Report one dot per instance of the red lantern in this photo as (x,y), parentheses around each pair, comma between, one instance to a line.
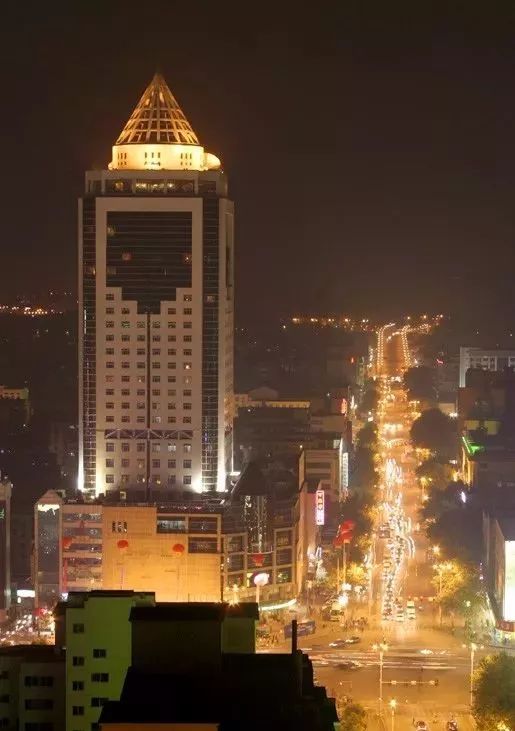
(67,542)
(123,544)
(258,559)
(178,548)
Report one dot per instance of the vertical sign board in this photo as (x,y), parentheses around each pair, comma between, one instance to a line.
(320,507)
(3,554)
(509,581)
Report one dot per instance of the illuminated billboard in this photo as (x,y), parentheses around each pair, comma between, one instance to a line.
(320,507)
(509,581)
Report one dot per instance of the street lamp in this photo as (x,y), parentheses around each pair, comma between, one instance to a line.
(381,648)
(393,704)
(472,647)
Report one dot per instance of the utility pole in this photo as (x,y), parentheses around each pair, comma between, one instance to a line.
(381,648)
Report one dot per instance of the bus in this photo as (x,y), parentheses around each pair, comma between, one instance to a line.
(307,627)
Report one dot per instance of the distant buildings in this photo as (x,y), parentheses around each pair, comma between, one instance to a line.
(487,359)
(156,287)
(5,546)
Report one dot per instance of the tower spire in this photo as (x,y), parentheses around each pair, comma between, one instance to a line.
(157,119)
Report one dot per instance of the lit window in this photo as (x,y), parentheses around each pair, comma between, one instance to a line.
(186,448)
(156,419)
(124,479)
(172,447)
(141,379)
(186,366)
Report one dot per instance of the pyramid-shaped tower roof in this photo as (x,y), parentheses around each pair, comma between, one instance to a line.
(157,119)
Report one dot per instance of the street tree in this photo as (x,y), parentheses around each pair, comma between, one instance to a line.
(435,431)
(435,472)
(494,693)
(353,717)
(419,381)
(367,436)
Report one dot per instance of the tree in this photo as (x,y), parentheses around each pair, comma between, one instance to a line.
(435,473)
(367,436)
(434,430)
(494,693)
(369,400)
(419,381)
(364,476)
(353,717)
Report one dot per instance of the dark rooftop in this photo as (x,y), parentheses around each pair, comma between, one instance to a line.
(193,612)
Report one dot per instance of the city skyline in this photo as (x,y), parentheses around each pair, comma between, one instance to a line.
(355,152)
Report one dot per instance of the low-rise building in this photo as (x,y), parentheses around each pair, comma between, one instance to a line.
(32,688)
(487,359)
(182,677)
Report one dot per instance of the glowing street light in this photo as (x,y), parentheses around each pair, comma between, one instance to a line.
(381,648)
(393,705)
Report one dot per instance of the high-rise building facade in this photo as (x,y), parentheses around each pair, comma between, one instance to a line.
(156,310)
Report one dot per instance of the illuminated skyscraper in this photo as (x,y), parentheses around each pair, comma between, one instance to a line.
(156,309)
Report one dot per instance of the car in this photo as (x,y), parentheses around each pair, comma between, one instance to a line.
(349,665)
(451,725)
(399,617)
(353,640)
(421,726)
(338,643)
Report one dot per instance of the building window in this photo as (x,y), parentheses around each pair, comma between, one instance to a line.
(77,710)
(172,339)
(110,479)
(186,480)
(125,419)
(109,338)
(187,338)
(99,651)
(156,464)
(110,364)
(110,323)
(172,325)
(78,628)
(156,365)
(109,310)
(118,526)
(39,704)
(100,677)
(187,351)
(77,685)
(171,464)
(110,419)
(187,298)
(109,391)
(172,447)
(187,366)
(110,447)
(187,420)
(171,310)
(98,702)
(186,448)
(186,464)
(109,351)
(77,661)
(172,379)
(171,405)
(202,545)
(140,447)
(110,297)
(126,447)
(109,462)
(126,379)
(187,407)
(126,338)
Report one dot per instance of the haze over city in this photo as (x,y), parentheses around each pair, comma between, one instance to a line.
(257,388)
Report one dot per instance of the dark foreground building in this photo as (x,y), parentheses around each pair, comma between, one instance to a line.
(181,676)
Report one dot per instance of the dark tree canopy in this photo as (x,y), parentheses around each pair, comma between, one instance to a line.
(419,381)
(434,430)
(494,692)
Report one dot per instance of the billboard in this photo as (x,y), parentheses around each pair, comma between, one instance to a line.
(320,507)
(509,581)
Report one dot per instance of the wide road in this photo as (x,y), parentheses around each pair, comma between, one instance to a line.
(426,670)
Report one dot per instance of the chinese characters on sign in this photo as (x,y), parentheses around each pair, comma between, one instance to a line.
(320,507)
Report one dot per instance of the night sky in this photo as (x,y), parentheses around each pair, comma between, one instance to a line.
(370,151)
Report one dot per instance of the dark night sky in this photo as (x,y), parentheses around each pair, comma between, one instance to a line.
(371,156)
